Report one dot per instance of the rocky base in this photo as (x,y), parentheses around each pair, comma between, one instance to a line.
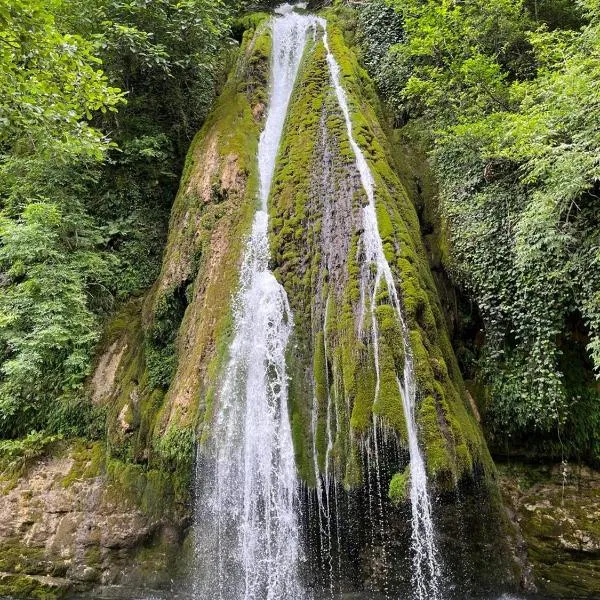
(73,522)
(557,512)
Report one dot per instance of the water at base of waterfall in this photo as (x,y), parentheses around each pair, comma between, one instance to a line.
(120,593)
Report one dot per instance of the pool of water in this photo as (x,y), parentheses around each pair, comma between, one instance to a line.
(119,593)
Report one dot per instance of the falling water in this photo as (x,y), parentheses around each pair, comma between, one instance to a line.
(426,571)
(247,526)
(247,530)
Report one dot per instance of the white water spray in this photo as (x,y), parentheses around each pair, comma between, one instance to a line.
(426,571)
(247,527)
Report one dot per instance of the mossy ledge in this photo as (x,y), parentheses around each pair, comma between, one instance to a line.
(316,245)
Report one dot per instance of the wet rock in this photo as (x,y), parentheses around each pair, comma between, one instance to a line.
(557,512)
(66,525)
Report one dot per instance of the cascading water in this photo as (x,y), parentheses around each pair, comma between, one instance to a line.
(426,570)
(247,530)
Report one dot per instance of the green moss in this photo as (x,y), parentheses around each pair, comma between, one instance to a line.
(320,368)
(364,386)
(399,489)
(17,557)
(184,332)
(93,556)
(437,456)
(125,322)
(297,268)
(302,456)
(154,560)
(88,460)
(321,390)
(353,477)
(249,22)
(391,366)
(176,448)
(154,491)
(32,587)
(388,403)
(17,456)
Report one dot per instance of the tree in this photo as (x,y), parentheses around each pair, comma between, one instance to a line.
(100,99)
(51,85)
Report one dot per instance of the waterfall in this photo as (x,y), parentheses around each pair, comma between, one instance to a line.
(426,570)
(246,528)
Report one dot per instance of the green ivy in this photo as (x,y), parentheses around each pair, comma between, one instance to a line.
(510,93)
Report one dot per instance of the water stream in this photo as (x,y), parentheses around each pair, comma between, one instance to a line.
(426,569)
(247,530)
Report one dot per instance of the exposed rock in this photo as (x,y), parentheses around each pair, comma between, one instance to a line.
(557,511)
(66,525)
(125,419)
(103,381)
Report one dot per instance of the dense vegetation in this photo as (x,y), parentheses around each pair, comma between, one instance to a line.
(506,94)
(100,99)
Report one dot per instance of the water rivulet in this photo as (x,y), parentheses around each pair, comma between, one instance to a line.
(337,425)
(426,570)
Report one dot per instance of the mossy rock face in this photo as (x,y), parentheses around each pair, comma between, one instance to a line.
(556,509)
(162,352)
(75,520)
(210,219)
(318,255)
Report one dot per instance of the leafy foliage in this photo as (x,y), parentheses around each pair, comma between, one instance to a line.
(51,85)
(50,82)
(17,454)
(99,102)
(167,56)
(511,92)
